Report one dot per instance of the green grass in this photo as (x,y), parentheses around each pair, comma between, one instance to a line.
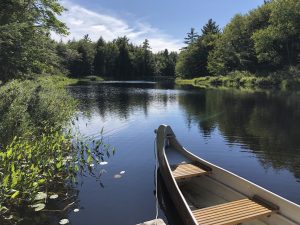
(240,79)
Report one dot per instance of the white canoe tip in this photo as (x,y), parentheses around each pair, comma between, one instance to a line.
(153,222)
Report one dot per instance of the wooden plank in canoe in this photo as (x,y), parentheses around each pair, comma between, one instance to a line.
(231,213)
(186,170)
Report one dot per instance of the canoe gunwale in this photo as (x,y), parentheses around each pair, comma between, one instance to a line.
(165,135)
(171,184)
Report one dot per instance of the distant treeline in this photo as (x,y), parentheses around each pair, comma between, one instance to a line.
(27,50)
(117,59)
(261,42)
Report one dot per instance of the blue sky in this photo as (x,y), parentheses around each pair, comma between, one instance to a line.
(165,22)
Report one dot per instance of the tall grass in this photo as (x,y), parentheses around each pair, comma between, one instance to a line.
(39,159)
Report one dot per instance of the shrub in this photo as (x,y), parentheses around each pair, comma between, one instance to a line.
(33,105)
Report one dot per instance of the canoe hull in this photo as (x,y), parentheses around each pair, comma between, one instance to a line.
(166,173)
(288,213)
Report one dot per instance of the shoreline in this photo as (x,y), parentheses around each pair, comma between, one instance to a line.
(251,82)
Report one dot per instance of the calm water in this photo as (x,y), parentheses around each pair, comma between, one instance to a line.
(255,135)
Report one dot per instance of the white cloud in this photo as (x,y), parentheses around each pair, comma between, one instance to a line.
(82,21)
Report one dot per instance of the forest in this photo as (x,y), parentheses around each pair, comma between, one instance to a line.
(265,42)
(27,50)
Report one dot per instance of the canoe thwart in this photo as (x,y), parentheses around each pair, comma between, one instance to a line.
(265,203)
(187,170)
(231,213)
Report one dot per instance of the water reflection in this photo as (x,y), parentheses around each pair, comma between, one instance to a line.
(120,99)
(252,134)
(264,123)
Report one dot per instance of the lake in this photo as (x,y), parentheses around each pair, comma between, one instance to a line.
(253,134)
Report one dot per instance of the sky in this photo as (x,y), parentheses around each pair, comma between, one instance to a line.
(164,23)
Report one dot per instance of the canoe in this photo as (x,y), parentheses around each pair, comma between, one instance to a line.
(205,194)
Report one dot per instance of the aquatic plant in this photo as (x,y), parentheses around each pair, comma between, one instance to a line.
(39,158)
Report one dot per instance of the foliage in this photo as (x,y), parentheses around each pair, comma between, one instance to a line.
(34,105)
(210,28)
(27,50)
(39,158)
(118,59)
(279,42)
(193,59)
(37,168)
(25,46)
(165,63)
(263,41)
(245,79)
(192,36)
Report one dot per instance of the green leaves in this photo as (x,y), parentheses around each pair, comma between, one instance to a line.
(14,195)
(38,207)
(40,196)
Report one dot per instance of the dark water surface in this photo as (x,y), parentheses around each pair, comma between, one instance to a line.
(255,135)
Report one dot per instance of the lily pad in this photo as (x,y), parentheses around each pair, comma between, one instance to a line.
(64,221)
(117,176)
(38,207)
(40,196)
(55,196)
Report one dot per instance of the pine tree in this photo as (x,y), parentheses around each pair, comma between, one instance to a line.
(99,60)
(192,36)
(147,68)
(210,28)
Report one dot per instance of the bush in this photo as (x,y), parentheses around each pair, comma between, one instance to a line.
(33,105)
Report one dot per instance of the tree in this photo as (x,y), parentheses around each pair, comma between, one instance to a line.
(147,60)
(192,36)
(192,61)
(86,51)
(99,60)
(124,63)
(279,42)
(210,28)
(26,48)
(112,54)
(234,49)
(165,63)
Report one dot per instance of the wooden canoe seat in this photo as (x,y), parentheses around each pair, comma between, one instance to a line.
(186,170)
(231,213)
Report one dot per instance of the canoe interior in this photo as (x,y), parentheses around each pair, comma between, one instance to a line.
(203,191)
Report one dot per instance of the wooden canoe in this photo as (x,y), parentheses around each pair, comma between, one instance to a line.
(205,194)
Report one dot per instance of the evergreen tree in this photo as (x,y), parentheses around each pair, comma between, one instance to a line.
(192,62)
(147,60)
(99,60)
(210,28)
(124,63)
(192,36)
